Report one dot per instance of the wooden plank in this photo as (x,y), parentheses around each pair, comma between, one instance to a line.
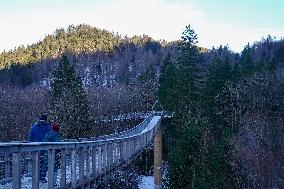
(94,164)
(110,156)
(121,151)
(16,171)
(99,170)
(144,140)
(99,159)
(51,159)
(81,167)
(131,148)
(73,169)
(123,155)
(128,150)
(134,146)
(7,166)
(136,143)
(140,143)
(35,170)
(88,172)
(94,161)
(105,158)
(117,150)
(63,168)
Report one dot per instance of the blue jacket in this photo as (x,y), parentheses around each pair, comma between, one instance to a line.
(38,131)
(52,136)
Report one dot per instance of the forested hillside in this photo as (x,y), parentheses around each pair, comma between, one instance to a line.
(99,56)
(119,74)
(228,127)
(79,39)
(227,131)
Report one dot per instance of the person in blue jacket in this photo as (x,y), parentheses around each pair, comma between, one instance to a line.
(54,136)
(37,133)
(39,129)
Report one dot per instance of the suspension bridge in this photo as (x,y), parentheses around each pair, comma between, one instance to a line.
(83,163)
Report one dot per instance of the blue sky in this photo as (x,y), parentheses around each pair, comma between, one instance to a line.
(217,22)
(249,13)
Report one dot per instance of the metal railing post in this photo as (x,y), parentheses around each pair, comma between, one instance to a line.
(16,171)
(73,169)
(51,159)
(63,168)
(81,167)
(35,170)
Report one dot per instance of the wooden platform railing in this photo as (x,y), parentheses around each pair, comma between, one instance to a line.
(82,164)
(123,117)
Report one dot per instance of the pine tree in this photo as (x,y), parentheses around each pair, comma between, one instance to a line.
(68,103)
(198,134)
(187,71)
(167,81)
(246,63)
(187,134)
(219,72)
(219,129)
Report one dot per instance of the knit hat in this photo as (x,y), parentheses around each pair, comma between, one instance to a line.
(43,117)
(55,127)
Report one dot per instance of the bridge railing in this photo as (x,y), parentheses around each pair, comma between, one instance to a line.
(145,115)
(123,117)
(71,164)
(135,130)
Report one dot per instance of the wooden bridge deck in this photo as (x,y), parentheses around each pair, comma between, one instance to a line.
(82,163)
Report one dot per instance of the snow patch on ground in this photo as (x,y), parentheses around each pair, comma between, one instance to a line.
(147,182)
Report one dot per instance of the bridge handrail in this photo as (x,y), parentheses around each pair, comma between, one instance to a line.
(118,136)
(131,131)
(109,152)
(111,118)
(136,128)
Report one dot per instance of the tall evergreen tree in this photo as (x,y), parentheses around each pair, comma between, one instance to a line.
(69,101)
(198,134)
(246,63)
(219,128)
(167,82)
(219,72)
(187,71)
(187,134)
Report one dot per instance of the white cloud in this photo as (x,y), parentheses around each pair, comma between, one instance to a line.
(155,18)
(235,36)
(152,17)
